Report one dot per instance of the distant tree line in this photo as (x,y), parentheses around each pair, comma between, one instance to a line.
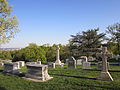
(85,43)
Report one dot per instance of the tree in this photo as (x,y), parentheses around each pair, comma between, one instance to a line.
(86,43)
(31,53)
(8,23)
(5,55)
(114,31)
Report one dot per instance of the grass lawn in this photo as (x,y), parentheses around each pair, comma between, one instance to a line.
(64,79)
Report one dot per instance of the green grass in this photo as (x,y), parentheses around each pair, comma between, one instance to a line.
(64,79)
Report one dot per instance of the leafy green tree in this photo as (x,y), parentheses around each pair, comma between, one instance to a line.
(86,43)
(114,31)
(64,52)
(8,23)
(51,53)
(5,55)
(31,53)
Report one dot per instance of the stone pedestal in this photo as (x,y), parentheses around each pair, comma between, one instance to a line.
(37,72)
(86,65)
(105,76)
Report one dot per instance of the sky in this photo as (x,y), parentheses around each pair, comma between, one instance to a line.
(53,21)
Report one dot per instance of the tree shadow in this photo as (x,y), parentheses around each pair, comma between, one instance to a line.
(2,88)
(17,74)
(115,64)
(92,70)
(113,71)
(74,76)
(1,70)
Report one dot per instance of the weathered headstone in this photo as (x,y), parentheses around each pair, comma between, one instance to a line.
(99,65)
(1,64)
(51,65)
(11,68)
(84,59)
(17,64)
(22,63)
(79,62)
(71,63)
(37,72)
(105,75)
(66,61)
(86,65)
(90,58)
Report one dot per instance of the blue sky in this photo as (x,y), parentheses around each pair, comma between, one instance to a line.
(53,21)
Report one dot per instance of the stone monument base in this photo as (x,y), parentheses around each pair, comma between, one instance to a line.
(105,76)
(59,64)
(37,80)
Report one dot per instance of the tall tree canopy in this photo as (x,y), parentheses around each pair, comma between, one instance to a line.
(86,43)
(8,23)
(114,31)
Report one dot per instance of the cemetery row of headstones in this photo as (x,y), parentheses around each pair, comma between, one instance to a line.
(35,70)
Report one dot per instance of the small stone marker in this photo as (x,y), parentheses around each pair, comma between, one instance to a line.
(66,61)
(11,68)
(105,75)
(37,72)
(22,63)
(84,59)
(1,64)
(51,65)
(90,58)
(71,63)
(79,62)
(86,65)
(39,62)
(99,65)
(17,64)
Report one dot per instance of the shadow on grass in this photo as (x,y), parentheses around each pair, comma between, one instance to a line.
(1,70)
(101,70)
(75,76)
(88,85)
(113,71)
(2,88)
(115,64)
(92,70)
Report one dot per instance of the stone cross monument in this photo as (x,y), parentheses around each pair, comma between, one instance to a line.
(105,75)
(57,62)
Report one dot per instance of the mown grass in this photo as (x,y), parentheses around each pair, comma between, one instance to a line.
(64,79)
